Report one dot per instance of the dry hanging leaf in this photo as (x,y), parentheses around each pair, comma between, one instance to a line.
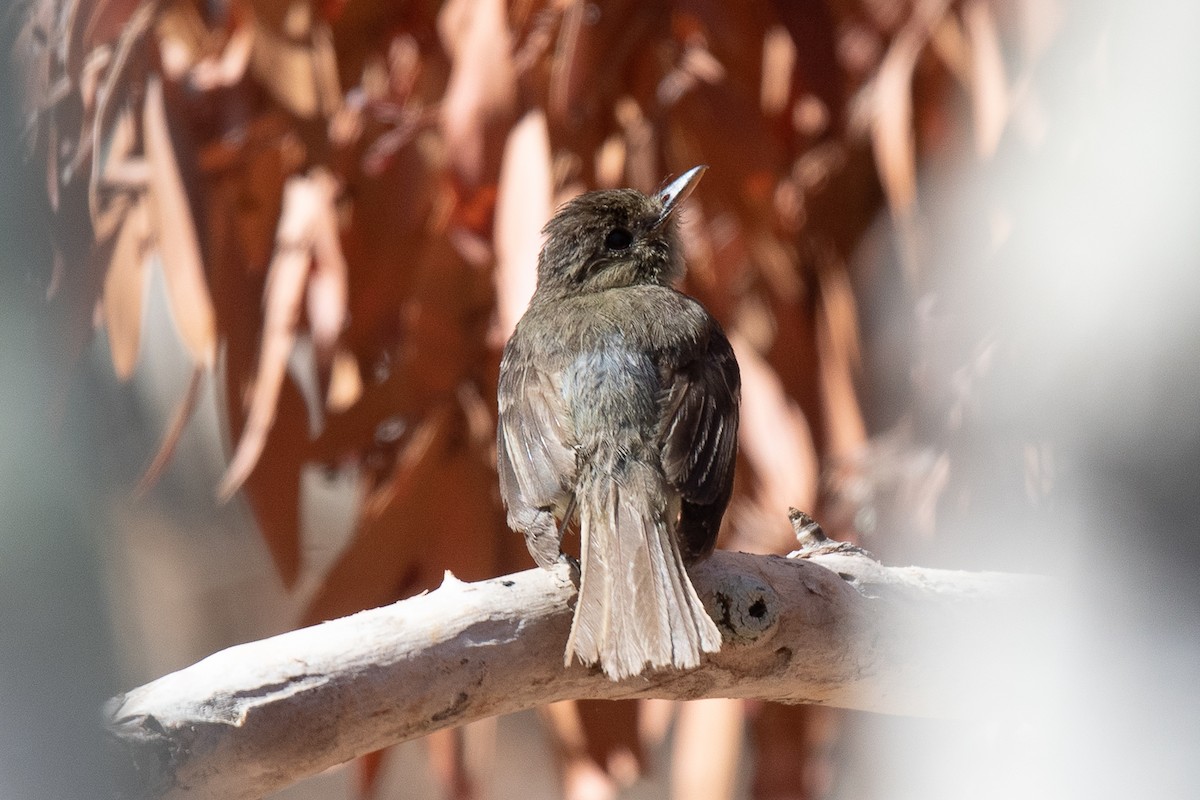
(329,88)
(892,125)
(31,66)
(610,163)
(124,70)
(522,208)
(293,58)
(90,25)
(775,438)
(179,419)
(182,37)
(448,764)
(110,170)
(304,199)
(837,351)
(125,288)
(480,99)
(1038,24)
(52,146)
(734,34)
(230,66)
(815,28)
(585,736)
(448,486)
(285,68)
(175,234)
(948,40)
(345,383)
(795,752)
(608,737)
(596,44)
(708,747)
(565,65)
(417,448)
(273,487)
(641,168)
(719,124)
(327,285)
(989,87)
(368,770)
(778,64)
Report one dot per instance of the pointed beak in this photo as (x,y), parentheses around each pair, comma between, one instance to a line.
(674,193)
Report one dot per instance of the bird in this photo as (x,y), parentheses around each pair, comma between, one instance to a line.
(618,403)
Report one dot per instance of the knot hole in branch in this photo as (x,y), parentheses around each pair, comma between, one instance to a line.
(745,609)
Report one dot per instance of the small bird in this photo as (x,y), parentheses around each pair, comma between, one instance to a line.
(618,406)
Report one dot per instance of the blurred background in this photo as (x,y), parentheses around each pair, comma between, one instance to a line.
(260,258)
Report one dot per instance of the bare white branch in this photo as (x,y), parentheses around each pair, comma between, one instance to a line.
(837,630)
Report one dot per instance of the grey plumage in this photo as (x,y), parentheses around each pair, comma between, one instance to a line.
(618,401)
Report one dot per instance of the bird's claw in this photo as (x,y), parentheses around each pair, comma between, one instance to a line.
(572,566)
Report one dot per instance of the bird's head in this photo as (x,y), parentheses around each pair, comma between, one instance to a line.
(615,237)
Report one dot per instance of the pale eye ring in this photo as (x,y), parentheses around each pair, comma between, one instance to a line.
(618,239)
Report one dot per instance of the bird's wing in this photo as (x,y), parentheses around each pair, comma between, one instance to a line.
(534,443)
(699,439)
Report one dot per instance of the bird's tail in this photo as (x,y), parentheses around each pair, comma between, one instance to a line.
(636,605)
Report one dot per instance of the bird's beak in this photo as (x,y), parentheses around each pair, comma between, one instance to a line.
(674,193)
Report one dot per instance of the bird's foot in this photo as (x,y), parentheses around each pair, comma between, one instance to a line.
(572,565)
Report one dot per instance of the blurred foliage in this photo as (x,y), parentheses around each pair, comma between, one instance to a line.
(345,199)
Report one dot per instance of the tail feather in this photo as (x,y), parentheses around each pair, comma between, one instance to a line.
(636,605)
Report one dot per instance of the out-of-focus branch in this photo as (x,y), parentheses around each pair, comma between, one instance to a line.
(836,629)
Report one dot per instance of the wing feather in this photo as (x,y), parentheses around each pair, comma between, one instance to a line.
(699,440)
(534,443)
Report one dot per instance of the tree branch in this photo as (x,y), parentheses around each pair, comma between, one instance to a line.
(838,629)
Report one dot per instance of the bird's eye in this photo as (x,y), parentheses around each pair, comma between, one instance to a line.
(618,239)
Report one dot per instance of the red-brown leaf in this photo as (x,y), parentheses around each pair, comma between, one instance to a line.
(776,440)
(447,487)
(175,233)
(522,207)
(989,87)
(273,488)
(304,197)
(327,285)
(480,100)
(125,288)
(892,129)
